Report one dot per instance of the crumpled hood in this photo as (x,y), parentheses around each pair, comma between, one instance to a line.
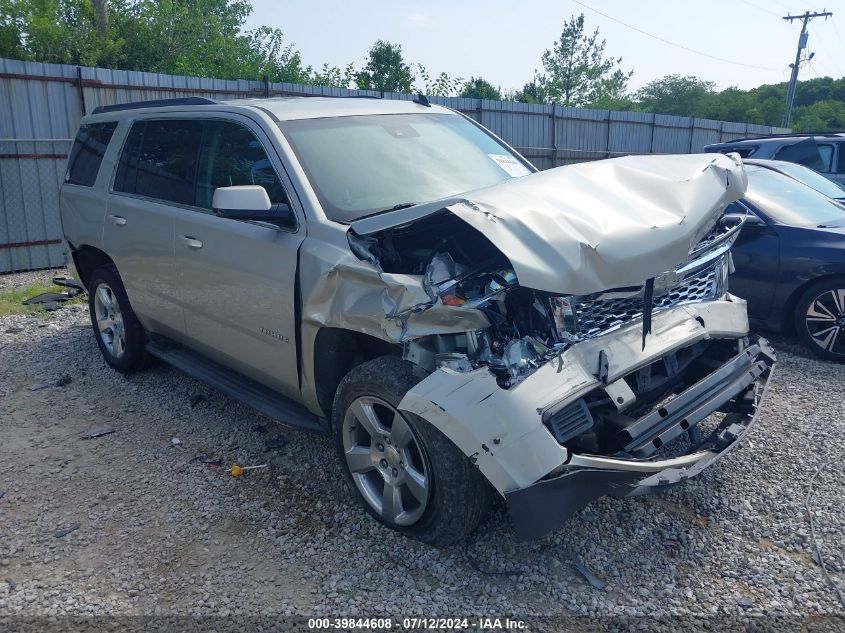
(593,226)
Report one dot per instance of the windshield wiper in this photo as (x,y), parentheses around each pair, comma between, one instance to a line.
(396,207)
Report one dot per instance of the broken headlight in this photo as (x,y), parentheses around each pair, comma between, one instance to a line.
(476,290)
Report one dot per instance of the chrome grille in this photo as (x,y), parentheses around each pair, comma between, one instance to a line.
(596,317)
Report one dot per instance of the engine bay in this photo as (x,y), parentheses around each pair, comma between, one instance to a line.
(459,267)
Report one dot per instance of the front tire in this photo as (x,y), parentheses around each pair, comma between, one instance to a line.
(820,318)
(119,334)
(404,472)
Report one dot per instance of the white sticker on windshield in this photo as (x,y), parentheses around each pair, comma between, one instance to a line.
(511,165)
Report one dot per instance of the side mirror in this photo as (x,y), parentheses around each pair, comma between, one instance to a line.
(250,202)
(740,211)
(753,223)
(753,219)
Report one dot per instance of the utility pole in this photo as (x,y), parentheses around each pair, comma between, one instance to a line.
(802,44)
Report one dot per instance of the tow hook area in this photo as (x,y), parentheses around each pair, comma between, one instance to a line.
(737,388)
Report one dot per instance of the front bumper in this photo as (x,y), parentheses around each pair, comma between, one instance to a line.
(738,388)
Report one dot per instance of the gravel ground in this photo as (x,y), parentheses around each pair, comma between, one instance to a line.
(155,534)
(18,280)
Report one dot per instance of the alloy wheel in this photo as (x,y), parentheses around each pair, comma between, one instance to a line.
(109,320)
(386,460)
(825,320)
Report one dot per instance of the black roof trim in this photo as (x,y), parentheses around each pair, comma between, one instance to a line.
(789,135)
(156,103)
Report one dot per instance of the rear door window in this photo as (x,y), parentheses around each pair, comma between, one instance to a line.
(840,158)
(808,153)
(826,156)
(127,167)
(87,152)
(232,155)
(159,160)
(743,151)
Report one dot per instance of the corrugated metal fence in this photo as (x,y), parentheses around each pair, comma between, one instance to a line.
(41,104)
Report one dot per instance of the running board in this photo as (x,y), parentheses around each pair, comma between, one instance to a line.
(237,386)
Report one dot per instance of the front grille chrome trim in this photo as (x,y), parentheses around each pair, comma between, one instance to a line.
(597,317)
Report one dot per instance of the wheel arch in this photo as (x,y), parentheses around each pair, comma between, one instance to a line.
(336,352)
(797,293)
(87,259)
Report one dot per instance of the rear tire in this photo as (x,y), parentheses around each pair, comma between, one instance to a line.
(820,318)
(404,472)
(119,334)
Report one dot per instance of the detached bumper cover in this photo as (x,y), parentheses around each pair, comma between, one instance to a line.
(738,387)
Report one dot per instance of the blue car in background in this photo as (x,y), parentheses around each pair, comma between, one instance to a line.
(790,260)
(802,174)
(824,153)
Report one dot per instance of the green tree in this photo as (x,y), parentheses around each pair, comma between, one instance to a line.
(265,53)
(577,73)
(12,28)
(54,31)
(531,92)
(443,85)
(731,104)
(333,76)
(822,116)
(386,69)
(674,94)
(188,37)
(196,37)
(480,88)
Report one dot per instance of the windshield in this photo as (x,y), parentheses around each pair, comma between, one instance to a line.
(788,201)
(812,179)
(361,165)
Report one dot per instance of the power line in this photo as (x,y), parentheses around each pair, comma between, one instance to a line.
(670,43)
(781,4)
(826,49)
(759,8)
(838,36)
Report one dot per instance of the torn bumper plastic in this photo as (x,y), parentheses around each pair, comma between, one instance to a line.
(540,508)
(502,430)
(508,435)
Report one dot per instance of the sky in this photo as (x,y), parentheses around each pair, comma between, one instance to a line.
(503,40)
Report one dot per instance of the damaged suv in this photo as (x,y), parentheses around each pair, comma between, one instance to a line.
(392,273)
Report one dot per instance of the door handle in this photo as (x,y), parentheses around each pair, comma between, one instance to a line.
(117,220)
(191,242)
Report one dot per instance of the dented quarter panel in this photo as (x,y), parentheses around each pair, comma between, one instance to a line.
(502,430)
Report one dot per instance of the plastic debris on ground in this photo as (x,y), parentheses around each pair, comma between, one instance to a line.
(238,471)
(66,531)
(97,431)
(203,458)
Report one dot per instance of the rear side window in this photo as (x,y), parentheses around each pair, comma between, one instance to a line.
(159,160)
(231,155)
(87,152)
(826,153)
(744,151)
(808,153)
(840,161)
(127,167)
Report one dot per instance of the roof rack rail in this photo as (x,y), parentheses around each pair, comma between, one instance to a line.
(156,103)
(763,137)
